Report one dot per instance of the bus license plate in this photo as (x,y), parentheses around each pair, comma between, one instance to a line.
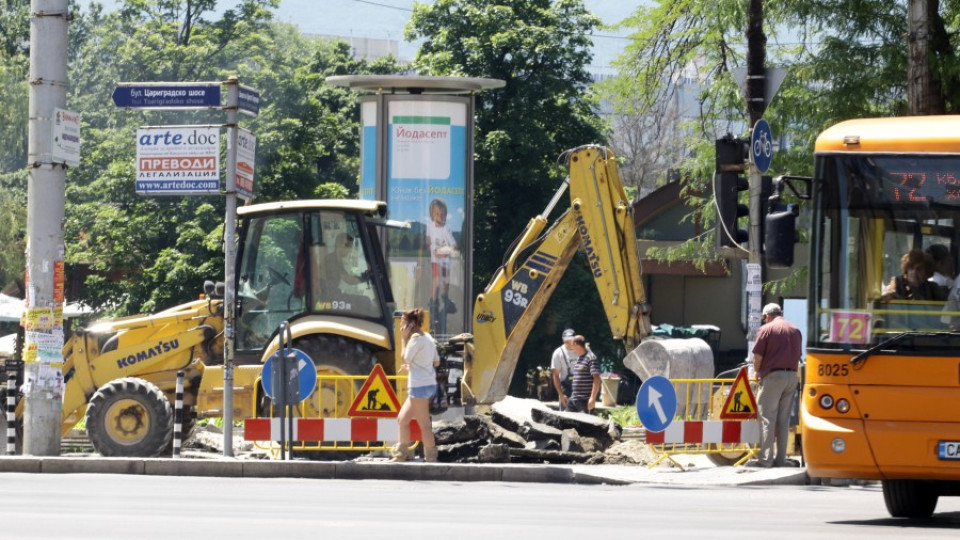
(949,450)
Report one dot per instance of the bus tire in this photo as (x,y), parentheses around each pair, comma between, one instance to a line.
(910,498)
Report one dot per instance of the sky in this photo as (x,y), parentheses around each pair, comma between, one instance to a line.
(385,19)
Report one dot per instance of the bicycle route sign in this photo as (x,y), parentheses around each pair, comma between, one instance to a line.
(761,145)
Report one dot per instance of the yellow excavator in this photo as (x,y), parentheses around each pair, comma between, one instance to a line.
(121,374)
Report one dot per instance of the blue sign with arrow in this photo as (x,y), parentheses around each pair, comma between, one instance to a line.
(761,145)
(305,369)
(196,95)
(656,403)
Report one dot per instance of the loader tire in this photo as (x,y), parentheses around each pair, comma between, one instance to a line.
(910,498)
(129,417)
(336,355)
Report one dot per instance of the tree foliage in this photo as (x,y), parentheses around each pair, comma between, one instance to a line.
(843,59)
(134,253)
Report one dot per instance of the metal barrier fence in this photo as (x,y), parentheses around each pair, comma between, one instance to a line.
(697,427)
(322,423)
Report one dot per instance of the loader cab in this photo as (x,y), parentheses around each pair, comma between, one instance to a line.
(307,258)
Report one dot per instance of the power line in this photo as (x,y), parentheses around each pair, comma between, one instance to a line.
(388,6)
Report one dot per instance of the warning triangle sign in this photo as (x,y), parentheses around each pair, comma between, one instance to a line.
(740,403)
(376,397)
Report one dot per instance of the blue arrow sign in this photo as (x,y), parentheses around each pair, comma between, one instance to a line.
(305,367)
(656,403)
(761,145)
(167,95)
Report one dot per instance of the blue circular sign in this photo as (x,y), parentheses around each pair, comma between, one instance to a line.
(761,145)
(656,403)
(305,367)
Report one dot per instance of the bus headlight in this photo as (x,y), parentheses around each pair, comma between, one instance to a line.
(838,445)
(826,401)
(843,405)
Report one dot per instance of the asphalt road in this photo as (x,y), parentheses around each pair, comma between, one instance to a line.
(79,506)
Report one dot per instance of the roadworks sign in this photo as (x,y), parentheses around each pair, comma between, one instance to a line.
(376,397)
(740,403)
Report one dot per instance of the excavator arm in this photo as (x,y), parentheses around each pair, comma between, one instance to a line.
(600,220)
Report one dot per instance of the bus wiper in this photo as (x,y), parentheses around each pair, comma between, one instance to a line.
(899,337)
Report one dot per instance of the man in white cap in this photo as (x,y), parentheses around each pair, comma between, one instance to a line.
(776,355)
(560,366)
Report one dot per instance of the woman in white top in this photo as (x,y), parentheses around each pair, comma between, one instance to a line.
(420,360)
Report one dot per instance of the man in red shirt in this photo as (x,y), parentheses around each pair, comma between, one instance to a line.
(776,355)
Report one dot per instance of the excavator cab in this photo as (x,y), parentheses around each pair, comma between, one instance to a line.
(307,259)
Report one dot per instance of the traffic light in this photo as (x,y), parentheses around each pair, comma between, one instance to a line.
(779,226)
(729,181)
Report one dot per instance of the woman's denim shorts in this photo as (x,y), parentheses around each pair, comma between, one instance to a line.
(423,392)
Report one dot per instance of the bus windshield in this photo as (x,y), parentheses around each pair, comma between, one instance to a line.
(885,247)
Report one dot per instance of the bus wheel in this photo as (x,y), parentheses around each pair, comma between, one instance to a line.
(910,498)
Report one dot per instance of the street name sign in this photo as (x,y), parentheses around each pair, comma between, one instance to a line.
(167,95)
(248,101)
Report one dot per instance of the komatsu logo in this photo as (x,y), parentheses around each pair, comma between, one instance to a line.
(592,258)
(146,354)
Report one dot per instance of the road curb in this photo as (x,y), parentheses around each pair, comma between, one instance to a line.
(349,470)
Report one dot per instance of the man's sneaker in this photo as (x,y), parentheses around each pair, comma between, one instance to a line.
(758,464)
(790,463)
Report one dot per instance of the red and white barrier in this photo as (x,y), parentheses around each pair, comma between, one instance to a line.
(706,432)
(328,430)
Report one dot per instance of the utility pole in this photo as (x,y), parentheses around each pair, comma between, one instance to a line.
(924,94)
(43,383)
(229,262)
(756,84)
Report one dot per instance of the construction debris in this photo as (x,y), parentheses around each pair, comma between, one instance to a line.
(527,431)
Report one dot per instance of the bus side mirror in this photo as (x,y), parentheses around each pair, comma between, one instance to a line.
(780,235)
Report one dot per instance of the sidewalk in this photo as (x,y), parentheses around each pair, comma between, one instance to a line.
(699,471)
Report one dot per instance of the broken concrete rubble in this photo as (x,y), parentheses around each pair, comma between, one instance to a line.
(530,432)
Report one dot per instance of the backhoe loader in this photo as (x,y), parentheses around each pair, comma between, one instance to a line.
(121,374)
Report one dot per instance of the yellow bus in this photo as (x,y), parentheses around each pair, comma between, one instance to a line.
(881,399)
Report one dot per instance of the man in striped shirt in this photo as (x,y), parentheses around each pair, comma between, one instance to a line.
(586,378)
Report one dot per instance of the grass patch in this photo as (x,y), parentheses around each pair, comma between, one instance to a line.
(625,415)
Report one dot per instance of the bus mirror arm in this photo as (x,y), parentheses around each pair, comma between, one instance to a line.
(790,181)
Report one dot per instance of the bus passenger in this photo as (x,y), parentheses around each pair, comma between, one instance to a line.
(916,267)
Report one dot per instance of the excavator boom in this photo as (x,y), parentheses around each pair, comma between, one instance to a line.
(600,220)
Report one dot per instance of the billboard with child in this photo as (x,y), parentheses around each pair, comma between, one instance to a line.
(426,153)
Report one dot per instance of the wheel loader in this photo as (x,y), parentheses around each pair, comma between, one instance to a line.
(319,265)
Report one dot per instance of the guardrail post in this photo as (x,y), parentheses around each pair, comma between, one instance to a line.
(11,413)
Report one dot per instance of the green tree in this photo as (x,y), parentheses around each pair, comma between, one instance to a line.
(843,59)
(541,49)
(14,64)
(147,253)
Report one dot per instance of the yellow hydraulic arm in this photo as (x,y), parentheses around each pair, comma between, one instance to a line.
(600,220)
